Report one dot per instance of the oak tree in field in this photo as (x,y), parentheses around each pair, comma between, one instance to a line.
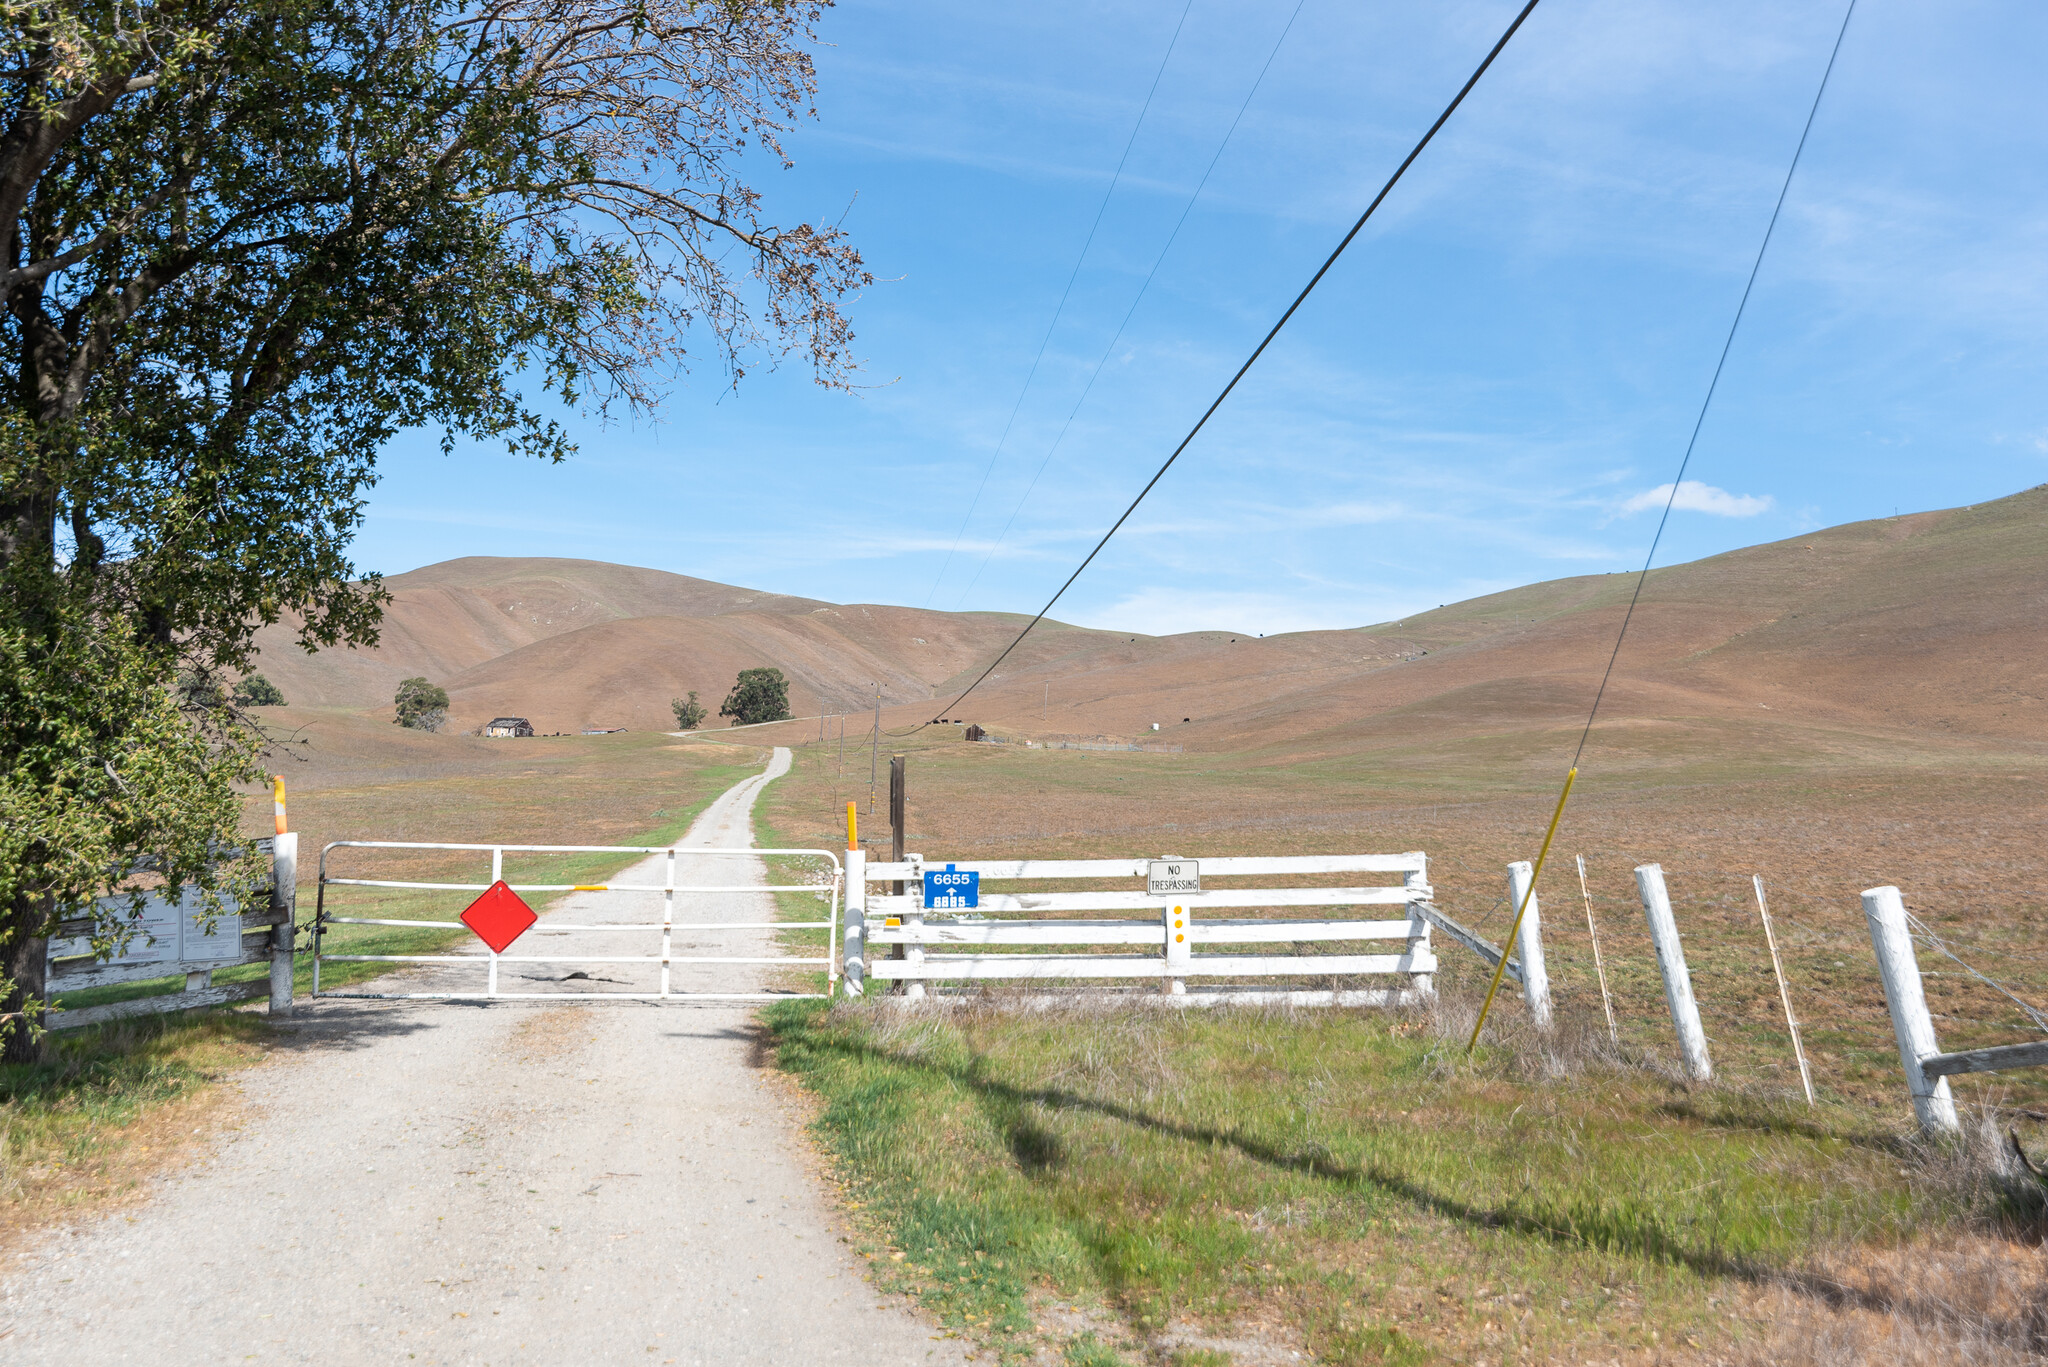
(758,695)
(689,712)
(421,705)
(257,691)
(246,242)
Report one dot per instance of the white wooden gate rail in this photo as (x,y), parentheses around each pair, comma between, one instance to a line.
(665,927)
(876,920)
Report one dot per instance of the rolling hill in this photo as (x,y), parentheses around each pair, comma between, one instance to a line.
(1924,625)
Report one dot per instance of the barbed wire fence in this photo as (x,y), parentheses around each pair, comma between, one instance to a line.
(1984,962)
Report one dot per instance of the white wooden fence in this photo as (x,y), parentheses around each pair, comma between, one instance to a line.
(175,938)
(1169,932)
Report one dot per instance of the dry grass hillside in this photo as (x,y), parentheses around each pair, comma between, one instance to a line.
(1923,628)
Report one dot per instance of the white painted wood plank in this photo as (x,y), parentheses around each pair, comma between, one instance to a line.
(149,1006)
(1077,932)
(1019,933)
(1022,966)
(982,966)
(1114,999)
(1307,965)
(1279,930)
(78,975)
(1132,900)
(1233,867)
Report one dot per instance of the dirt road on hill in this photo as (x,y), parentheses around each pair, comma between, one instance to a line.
(513,1183)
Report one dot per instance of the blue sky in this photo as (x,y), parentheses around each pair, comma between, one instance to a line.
(1485,392)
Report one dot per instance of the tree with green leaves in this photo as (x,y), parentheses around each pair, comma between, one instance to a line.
(246,242)
(257,691)
(421,705)
(689,712)
(758,695)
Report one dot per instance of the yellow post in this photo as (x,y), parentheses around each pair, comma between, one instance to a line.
(1508,945)
(277,803)
(852,830)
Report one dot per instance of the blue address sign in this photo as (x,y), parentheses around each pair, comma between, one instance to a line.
(951,889)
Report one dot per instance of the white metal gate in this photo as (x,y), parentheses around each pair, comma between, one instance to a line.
(665,929)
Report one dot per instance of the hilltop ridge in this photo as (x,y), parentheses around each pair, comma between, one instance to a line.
(1927,623)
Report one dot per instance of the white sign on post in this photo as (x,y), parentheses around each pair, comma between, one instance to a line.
(1172,877)
(167,931)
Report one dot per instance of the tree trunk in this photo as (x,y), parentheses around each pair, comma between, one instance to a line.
(26,963)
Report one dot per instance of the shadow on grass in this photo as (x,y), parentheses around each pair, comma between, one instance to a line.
(1040,1153)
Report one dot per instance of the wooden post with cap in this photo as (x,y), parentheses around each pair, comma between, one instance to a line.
(853,940)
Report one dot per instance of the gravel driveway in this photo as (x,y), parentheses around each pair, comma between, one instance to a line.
(514,1183)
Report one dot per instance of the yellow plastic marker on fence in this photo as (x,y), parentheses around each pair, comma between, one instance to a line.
(277,803)
(590,887)
(1507,945)
(852,827)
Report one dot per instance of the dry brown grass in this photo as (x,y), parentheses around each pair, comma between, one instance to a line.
(114,1106)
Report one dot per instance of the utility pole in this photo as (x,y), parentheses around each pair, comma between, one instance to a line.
(1046,702)
(874,749)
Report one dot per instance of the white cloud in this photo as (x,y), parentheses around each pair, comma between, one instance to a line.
(1695,497)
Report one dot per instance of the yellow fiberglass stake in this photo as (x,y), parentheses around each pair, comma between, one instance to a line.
(1515,929)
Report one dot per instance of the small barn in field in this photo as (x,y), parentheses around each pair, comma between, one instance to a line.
(508,726)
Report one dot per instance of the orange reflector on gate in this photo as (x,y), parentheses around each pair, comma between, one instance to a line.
(498,917)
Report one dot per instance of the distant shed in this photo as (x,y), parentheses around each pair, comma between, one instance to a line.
(976,733)
(508,726)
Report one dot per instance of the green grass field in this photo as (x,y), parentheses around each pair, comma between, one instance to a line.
(1344,1182)
(1199,1188)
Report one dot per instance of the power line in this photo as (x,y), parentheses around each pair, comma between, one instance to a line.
(1061,308)
(1572,774)
(1138,299)
(1260,349)
(1727,344)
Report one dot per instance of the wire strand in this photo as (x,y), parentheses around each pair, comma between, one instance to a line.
(1046,341)
(1727,344)
(1257,351)
(1139,298)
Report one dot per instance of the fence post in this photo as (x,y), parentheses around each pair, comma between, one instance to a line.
(1763,909)
(1535,977)
(1685,1012)
(913,921)
(896,778)
(853,940)
(1416,882)
(1593,934)
(284,901)
(1178,925)
(1885,910)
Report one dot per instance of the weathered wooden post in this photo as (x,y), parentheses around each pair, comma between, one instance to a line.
(1685,1012)
(853,939)
(1885,910)
(284,893)
(896,818)
(1535,977)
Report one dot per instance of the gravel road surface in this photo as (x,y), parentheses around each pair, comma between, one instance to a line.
(514,1183)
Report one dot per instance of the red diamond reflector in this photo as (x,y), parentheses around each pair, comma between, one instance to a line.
(498,917)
